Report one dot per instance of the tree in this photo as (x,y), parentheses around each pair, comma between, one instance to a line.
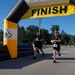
(65,37)
(46,35)
(31,31)
(55,27)
(21,34)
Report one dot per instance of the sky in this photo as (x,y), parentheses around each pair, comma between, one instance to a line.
(66,23)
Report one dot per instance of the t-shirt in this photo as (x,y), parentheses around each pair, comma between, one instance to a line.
(38,38)
(56,38)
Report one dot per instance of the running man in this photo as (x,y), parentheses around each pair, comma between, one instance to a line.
(38,45)
(56,45)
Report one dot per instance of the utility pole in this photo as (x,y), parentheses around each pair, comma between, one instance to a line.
(39,24)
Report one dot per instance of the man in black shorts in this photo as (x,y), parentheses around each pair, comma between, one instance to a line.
(38,45)
(56,45)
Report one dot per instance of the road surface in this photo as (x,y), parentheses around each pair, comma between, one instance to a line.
(43,65)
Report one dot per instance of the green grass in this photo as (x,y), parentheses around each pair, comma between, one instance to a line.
(49,46)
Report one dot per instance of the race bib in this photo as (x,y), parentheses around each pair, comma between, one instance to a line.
(55,45)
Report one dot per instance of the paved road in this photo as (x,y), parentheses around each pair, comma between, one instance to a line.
(43,65)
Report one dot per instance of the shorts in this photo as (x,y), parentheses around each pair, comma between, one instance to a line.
(56,48)
(38,44)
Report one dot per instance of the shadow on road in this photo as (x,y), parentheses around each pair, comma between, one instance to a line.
(21,62)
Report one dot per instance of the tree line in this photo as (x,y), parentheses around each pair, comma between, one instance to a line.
(27,34)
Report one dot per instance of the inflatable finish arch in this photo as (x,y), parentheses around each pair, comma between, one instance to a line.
(32,9)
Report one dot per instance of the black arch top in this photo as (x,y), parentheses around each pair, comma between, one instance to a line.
(72,1)
(18,11)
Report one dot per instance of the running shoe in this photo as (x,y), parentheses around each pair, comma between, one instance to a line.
(34,58)
(43,54)
(59,54)
(54,61)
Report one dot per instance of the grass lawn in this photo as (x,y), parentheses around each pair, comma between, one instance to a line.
(48,46)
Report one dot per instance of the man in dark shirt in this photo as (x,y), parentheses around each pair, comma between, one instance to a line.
(56,45)
(38,45)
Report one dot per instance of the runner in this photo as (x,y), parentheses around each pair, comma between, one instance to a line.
(38,45)
(56,45)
